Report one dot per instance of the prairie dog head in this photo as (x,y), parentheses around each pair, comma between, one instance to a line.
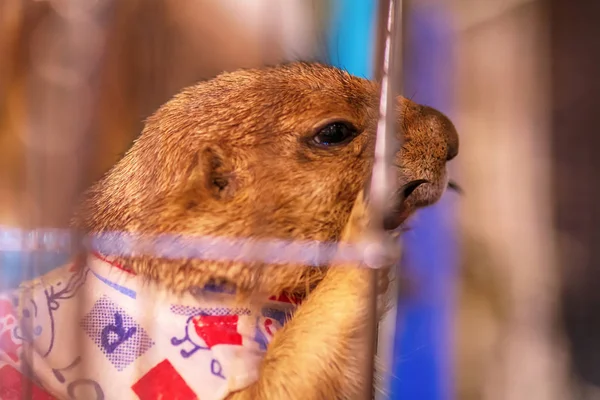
(279,152)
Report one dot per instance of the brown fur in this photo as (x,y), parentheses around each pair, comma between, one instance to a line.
(231,157)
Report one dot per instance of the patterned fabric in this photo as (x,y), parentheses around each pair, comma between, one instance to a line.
(99,332)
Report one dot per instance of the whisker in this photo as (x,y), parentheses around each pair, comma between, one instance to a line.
(452,185)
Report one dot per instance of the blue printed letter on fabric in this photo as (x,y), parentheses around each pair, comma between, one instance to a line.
(115,333)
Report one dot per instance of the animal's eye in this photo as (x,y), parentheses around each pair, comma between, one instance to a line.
(334,134)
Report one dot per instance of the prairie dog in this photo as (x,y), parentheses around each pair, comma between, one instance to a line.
(275,153)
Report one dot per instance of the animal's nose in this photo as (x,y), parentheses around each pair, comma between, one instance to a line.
(440,124)
(452,147)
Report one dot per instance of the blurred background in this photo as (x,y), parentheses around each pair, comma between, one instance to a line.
(503,301)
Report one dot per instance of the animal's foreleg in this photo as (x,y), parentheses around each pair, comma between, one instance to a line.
(320,352)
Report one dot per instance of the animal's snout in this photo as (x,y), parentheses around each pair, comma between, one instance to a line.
(452,144)
(440,124)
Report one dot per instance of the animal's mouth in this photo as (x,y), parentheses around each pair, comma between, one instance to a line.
(404,204)
(402,209)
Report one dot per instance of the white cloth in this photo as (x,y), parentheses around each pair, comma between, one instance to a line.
(100,332)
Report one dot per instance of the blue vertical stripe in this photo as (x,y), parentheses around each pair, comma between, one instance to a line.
(422,354)
(352,35)
(423,361)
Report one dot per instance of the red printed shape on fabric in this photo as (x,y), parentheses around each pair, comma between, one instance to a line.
(218,329)
(8,344)
(6,308)
(12,383)
(163,382)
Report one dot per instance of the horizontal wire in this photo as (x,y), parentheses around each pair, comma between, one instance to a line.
(214,248)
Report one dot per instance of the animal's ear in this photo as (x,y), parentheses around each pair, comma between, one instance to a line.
(211,175)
